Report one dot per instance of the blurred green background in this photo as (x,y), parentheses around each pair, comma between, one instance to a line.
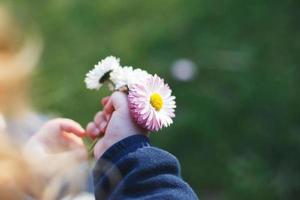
(237,130)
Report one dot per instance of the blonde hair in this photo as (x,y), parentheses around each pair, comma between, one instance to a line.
(19,54)
(22,177)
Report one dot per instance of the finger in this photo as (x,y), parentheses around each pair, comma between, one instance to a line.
(72,141)
(105,100)
(64,142)
(92,130)
(107,116)
(103,127)
(70,126)
(119,100)
(99,117)
(109,107)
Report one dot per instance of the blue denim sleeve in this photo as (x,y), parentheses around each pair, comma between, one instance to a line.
(133,169)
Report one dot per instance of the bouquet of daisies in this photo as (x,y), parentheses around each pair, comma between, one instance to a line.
(150,99)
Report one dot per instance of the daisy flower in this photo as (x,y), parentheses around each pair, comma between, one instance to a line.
(96,77)
(127,76)
(151,104)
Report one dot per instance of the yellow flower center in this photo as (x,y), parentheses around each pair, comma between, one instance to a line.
(156,101)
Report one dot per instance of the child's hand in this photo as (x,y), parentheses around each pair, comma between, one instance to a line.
(114,122)
(58,137)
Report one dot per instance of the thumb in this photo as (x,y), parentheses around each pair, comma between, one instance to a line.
(117,101)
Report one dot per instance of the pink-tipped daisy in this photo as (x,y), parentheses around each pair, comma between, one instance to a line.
(151,104)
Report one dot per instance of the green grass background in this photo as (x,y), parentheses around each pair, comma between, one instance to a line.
(237,130)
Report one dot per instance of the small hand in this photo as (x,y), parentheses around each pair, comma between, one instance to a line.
(58,138)
(114,122)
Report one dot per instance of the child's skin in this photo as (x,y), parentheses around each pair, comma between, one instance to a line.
(60,137)
(114,122)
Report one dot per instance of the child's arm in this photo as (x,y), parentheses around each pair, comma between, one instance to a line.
(132,169)
(129,168)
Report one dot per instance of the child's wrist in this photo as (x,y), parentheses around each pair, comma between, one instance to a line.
(107,143)
(124,146)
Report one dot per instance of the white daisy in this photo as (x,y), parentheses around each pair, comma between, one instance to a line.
(96,77)
(127,76)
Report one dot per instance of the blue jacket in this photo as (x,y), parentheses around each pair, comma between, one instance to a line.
(132,169)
